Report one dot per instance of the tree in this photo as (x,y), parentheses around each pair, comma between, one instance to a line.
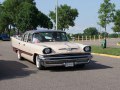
(12,7)
(66,16)
(44,21)
(4,20)
(29,17)
(91,31)
(1,25)
(104,34)
(113,35)
(116,27)
(106,15)
(24,15)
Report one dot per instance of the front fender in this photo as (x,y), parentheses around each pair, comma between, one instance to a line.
(82,46)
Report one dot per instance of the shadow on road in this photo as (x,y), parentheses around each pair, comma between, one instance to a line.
(13,69)
(93,65)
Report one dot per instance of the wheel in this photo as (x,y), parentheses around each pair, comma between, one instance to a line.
(19,55)
(38,63)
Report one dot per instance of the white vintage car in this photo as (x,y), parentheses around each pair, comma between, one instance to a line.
(48,48)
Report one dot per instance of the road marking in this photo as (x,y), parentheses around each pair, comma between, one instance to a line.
(106,55)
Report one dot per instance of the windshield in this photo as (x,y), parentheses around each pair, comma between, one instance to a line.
(50,36)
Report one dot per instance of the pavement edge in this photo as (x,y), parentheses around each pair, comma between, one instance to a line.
(106,55)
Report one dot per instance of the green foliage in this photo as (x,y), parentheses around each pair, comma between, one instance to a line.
(1,17)
(26,17)
(12,7)
(77,35)
(104,34)
(66,16)
(113,35)
(91,31)
(106,13)
(44,21)
(23,15)
(69,36)
(13,32)
(116,27)
(4,19)
(29,17)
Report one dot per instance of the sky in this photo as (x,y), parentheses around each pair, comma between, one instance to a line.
(88,12)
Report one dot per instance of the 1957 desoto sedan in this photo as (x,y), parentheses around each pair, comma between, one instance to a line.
(48,48)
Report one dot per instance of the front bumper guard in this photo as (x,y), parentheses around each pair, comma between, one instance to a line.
(61,61)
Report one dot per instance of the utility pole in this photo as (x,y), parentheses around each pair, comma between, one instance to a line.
(56,14)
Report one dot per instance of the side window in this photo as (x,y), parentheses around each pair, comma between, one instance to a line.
(25,38)
(30,38)
(22,39)
(63,36)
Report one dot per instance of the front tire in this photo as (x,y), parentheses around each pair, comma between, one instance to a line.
(82,65)
(19,55)
(38,63)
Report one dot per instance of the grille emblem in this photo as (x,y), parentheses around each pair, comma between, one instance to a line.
(69,49)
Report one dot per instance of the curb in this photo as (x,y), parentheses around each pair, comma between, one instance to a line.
(106,55)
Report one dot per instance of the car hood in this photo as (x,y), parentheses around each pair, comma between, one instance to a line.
(61,47)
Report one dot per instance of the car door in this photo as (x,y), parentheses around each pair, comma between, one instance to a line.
(26,47)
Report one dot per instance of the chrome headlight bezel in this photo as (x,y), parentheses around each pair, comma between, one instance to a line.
(47,50)
(87,48)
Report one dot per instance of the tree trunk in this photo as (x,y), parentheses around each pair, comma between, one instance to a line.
(105,32)
(105,41)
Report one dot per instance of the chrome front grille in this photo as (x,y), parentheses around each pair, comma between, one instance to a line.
(72,56)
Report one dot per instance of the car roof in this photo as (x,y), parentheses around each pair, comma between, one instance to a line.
(43,30)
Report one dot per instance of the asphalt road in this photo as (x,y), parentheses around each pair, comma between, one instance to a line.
(103,73)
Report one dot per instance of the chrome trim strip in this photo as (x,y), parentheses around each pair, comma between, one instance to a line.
(68,48)
(65,57)
(77,59)
(63,64)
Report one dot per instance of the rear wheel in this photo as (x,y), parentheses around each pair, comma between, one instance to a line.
(38,63)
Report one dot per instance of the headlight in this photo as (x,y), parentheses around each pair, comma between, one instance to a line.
(47,50)
(87,49)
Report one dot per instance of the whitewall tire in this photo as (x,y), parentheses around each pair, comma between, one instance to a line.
(38,63)
(19,55)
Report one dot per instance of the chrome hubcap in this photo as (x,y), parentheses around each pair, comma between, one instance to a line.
(18,54)
(37,62)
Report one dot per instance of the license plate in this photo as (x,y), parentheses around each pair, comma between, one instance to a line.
(69,64)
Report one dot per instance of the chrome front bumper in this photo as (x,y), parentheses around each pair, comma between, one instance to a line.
(49,61)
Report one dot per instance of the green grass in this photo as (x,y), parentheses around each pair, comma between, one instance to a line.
(109,50)
(118,42)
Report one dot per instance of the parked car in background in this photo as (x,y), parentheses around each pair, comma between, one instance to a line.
(4,37)
(48,48)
